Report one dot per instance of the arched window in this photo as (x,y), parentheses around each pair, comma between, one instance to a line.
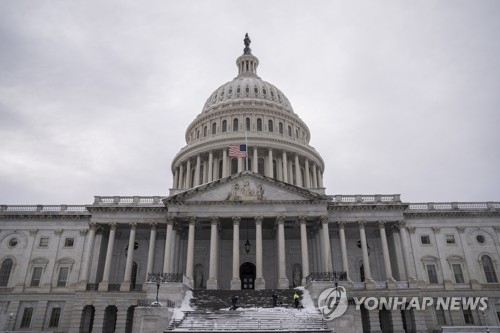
(214,128)
(489,269)
(205,131)
(5,271)
(270,125)
(235,124)
(248,124)
(260,166)
(280,128)
(259,124)
(234,166)
(224,125)
(289,130)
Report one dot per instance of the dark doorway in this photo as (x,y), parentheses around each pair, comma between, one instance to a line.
(87,320)
(247,275)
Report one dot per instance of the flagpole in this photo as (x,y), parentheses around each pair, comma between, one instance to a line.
(246,145)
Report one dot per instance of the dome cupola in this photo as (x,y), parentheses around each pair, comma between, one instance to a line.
(251,111)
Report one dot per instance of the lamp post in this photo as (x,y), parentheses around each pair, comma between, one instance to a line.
(338,276)
(158,278)
(485,322)
(10,319)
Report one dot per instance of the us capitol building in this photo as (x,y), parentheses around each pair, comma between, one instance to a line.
(247,212)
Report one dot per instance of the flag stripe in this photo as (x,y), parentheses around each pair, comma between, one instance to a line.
(238,150)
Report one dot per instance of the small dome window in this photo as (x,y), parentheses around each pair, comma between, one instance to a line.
(13,242)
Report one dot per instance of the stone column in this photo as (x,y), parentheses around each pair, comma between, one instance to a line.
(88,255)
(282,279)
(308,176)
(405,249)
(255,161)
(241,161)
(212,274)
(197,171)
(210,167)
(168,245)
(224,163)
(304,248)
(327,249)
(298,173)
(188,175)
(176,178)
(181,177)
(343,248)
(205,172)
(364,251)
(270,163)
(126,284)
(173,250)
(315,177)
(235,281)
(385,251)
(285,167)
(190,250)
(151,250)
(260,283)
(103,286)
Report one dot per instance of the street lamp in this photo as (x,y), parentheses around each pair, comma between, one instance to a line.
(10,319)
(338,276)
(158,278)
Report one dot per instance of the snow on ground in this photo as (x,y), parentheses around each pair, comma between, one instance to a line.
(185,306)
(307,301)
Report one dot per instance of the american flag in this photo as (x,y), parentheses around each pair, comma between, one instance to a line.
(238,150)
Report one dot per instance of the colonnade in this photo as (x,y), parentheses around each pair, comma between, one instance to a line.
(319,234)
(278,164)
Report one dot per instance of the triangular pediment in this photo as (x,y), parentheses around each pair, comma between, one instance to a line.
(246,186)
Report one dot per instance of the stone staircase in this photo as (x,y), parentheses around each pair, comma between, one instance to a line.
(212,312)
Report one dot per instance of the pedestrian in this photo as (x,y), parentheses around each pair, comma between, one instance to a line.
(275,299)
(234,300)
(296,298)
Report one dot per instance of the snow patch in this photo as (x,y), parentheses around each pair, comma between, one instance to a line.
(185,306)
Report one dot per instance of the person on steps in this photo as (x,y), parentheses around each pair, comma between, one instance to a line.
(296,298)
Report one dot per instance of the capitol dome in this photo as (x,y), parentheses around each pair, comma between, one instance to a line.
(254,113)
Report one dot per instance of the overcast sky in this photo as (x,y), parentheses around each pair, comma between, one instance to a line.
(400,96)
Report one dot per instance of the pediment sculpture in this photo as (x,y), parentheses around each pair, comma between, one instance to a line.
(245,191)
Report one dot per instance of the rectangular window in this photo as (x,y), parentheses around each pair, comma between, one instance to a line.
(44,242)
(425,239)
(63,276)
(54,317)
(37,275)
(26,320)
(450,239)
(69,242)
(440,317)
(457,272)
(432,273)
(469,320)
